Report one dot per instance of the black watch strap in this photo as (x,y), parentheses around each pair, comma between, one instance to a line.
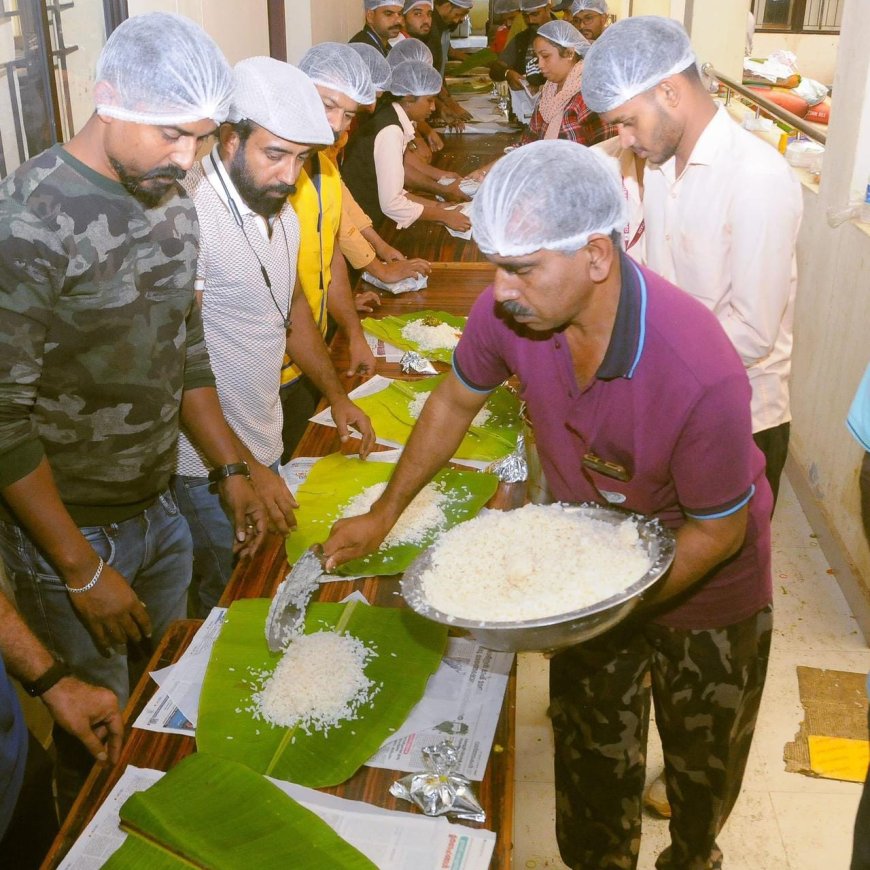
(222,472)
(54,674)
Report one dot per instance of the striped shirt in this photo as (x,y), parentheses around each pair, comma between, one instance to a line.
(244,329)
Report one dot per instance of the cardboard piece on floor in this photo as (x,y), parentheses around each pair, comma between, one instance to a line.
(832,740)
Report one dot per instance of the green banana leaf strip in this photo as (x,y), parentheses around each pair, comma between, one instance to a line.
(409,649)
(476,85)
(390,329)
(483,57)
(495,439)
(336,479)
(213,813)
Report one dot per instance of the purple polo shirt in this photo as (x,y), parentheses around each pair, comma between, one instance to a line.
(670,404)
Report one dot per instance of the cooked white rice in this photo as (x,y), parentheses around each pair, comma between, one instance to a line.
(415,408)
(538,561)
(424,515)
(431,337)
(319,683)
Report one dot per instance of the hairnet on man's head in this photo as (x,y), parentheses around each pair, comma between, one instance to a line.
(631,57)
(463,4)
(566,35)
(376,4)
(532,5)
(412,4)
(280,98)
(410,49)
(379,70)
(548,195)
(589,5)
(413,78)
(162,69)
(335,65)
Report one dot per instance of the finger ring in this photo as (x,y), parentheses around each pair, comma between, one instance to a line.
(249,526)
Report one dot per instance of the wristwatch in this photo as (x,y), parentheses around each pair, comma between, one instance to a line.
(222,472)
(53,675)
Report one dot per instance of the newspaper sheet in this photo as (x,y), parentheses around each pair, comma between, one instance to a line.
(462,702)
(392,840)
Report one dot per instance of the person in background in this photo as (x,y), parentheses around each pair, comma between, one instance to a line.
(619,369)
(498,31)
(590,17)
(373,166)
(343,81)
(447,15)
(707,179)
(561,112)
(518,63)
(361,245)
(562,10)
(246,274)
(383,23)
(103,357)
(858,423)
(28,819)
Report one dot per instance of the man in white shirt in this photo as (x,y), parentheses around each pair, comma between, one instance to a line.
(721,207)
(252,314)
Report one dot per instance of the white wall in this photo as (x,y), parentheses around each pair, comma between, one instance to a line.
(832,314)
(240,29)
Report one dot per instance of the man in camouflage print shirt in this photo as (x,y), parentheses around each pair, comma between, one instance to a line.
(102,356)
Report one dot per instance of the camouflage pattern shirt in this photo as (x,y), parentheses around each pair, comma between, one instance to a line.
(99,334)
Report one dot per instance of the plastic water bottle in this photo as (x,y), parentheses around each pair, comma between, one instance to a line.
(864,216)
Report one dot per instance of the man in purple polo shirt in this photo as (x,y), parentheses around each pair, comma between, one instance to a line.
(637,398)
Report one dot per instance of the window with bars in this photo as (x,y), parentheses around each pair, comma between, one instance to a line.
(48,53)
(798,16)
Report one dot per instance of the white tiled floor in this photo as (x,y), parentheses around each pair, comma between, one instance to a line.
(782,821)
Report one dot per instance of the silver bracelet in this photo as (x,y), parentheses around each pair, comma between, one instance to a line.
(75,590)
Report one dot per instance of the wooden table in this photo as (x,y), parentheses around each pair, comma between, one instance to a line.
(453,287)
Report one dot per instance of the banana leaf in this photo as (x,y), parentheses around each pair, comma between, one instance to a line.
(336,479)
(212,813)
(409,650)
(482,57)
(390,329)
(474,85)
(392,419)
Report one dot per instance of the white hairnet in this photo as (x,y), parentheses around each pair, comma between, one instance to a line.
(502,7)
(376,4)
(463,4)
(590,5)
(337,66)
(410,4)
(552,194)
(280,98)
(410,49)
(566,35)
(379,70)
(163,69)
(531,5)
(413,78)
(631,57)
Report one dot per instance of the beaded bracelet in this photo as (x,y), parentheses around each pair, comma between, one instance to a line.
(75,590)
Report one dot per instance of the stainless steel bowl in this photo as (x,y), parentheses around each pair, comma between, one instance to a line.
(565,629)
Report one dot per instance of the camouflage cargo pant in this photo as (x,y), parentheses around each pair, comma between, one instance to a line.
(706,687)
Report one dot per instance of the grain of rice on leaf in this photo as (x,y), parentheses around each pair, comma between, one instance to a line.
(213,813)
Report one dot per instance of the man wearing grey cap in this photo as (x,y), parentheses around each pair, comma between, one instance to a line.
(447,15)
(102,356)
(518,61)
(383,23)
(590,17)
(418,18)
(252,309)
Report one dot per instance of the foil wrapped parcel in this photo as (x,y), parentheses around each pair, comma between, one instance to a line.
(513,468)
(415,363)
(440,791)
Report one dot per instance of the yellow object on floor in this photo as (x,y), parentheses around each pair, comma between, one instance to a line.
(839,757)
